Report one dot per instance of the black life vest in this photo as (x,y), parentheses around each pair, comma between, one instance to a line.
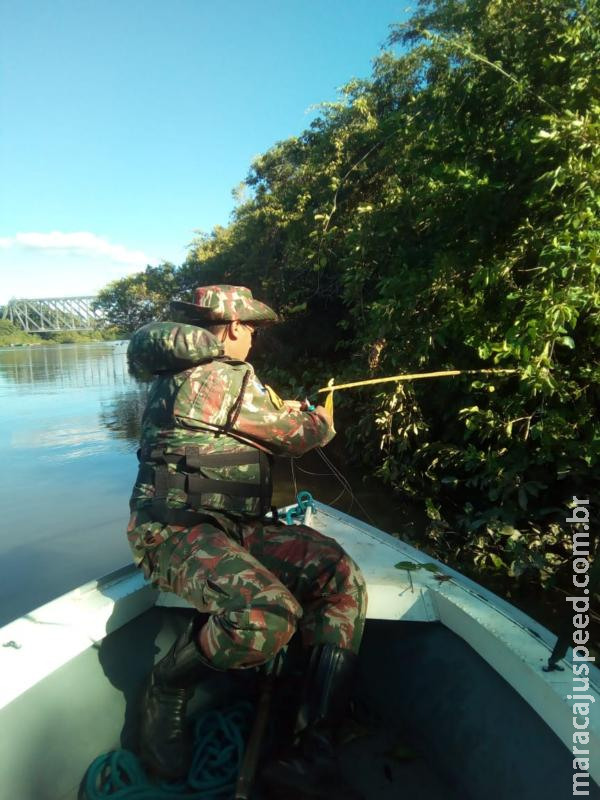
(184,470)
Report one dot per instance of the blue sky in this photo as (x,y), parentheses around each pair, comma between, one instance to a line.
(126,124)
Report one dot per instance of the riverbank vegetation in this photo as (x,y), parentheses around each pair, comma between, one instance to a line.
(13,336)
(442,215)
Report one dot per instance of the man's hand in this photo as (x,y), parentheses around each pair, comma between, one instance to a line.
(325,415)
(294,405)
(297,405)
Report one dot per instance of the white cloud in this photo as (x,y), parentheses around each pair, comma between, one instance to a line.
(79,243)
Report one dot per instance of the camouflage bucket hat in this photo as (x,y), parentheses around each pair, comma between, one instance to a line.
(222,303)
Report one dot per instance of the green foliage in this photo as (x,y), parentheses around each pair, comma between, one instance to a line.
(131,302)
(412,566)
(443,215)
(12,335)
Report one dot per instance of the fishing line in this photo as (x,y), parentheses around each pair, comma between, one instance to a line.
(332,387)
(338,497)
(294,477)
(345,483)
(346,487)
(316,475)
(335,471)
(354,497)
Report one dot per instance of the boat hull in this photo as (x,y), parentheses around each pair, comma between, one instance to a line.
(446,670)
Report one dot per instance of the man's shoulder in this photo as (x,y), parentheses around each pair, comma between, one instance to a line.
(222,365)
(208,391)
(220,372)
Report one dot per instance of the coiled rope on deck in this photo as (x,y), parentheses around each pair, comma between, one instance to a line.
(219,740)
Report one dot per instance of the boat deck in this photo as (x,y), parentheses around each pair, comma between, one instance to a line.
(438,722)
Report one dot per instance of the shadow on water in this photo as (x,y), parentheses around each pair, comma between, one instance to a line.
(122,414)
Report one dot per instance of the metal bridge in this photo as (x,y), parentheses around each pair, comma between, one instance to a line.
(53,314)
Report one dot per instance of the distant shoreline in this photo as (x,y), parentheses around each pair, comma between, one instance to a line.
(12,336)
(4,345)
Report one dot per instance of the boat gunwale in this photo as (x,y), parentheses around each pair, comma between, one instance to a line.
(511,612)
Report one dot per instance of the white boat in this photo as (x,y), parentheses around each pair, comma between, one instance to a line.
(448,671)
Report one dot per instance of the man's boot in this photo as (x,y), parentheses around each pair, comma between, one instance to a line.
(310,770)
(165,745)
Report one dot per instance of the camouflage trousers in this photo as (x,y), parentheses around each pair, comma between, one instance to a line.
(259,586)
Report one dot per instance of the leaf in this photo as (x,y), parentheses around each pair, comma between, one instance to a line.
(517,568)
(567,341)
(431,510)
(431,567)
(408,565)
(508,530)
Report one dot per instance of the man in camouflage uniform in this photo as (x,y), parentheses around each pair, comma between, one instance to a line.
(198,529)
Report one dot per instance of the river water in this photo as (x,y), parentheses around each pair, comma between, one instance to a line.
(68,421)
(69,426)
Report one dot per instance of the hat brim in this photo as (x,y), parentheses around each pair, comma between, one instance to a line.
(254,311)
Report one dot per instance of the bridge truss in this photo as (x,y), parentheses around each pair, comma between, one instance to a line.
(53,314)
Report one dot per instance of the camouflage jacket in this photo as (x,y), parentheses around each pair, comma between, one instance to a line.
(202,403)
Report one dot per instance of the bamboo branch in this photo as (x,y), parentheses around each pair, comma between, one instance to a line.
(419,376)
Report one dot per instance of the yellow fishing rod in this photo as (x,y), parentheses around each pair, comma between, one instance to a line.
(415,376)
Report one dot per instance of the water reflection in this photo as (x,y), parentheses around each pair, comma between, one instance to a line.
(122,414)
(69,421)
(68,366)
(91,378)
(66,440)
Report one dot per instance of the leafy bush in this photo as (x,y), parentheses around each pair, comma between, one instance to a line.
(10,334)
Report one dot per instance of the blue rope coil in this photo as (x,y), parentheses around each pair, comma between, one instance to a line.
(219,739)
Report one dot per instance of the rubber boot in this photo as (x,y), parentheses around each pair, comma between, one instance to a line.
(165,744)
(310,769)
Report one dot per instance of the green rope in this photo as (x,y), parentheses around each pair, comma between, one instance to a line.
(219,738)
